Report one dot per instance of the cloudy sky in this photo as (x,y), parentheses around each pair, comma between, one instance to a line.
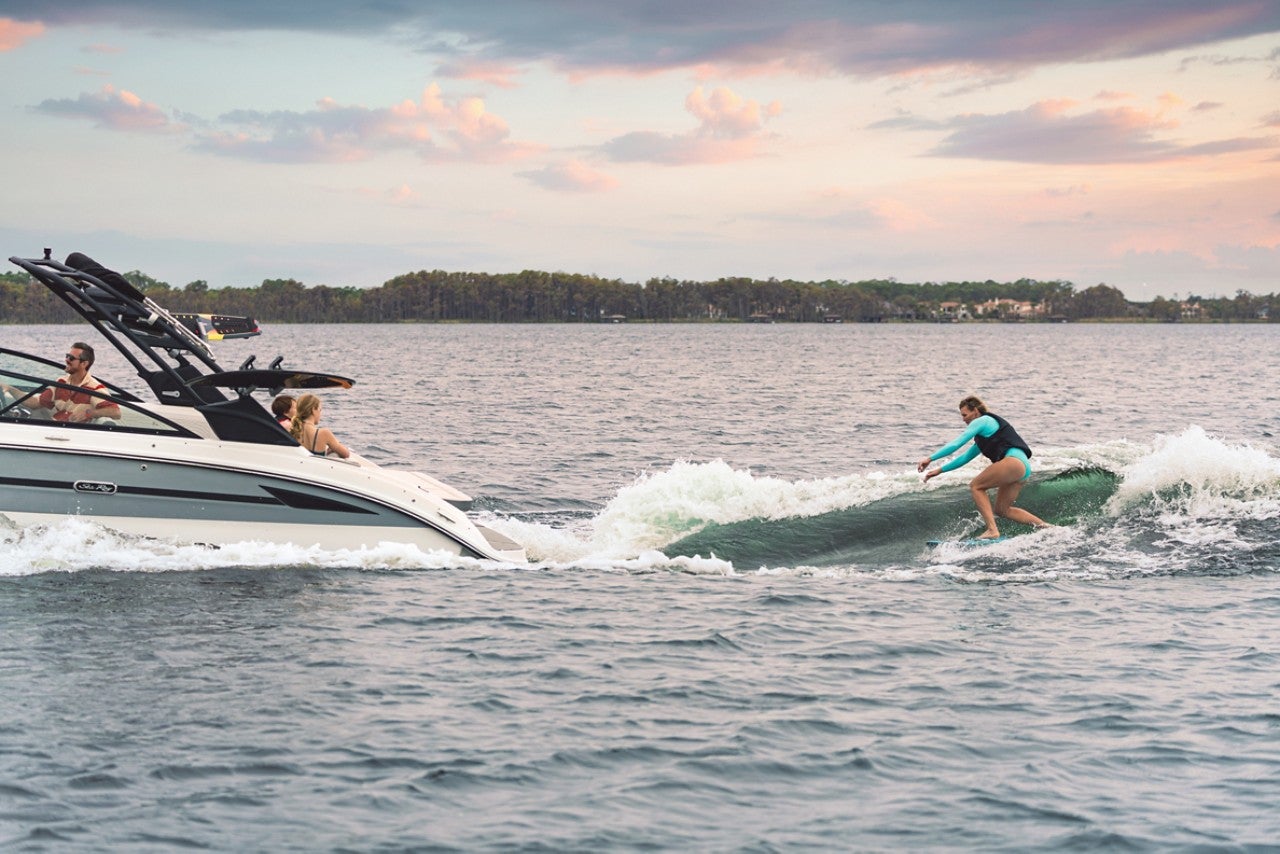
(1130,142)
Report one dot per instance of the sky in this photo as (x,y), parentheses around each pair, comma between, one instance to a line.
(1132,143)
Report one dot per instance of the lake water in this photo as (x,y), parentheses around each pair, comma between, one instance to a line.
(731,635)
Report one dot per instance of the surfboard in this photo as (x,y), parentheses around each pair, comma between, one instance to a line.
(965,544)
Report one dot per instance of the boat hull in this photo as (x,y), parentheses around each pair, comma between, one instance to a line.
(279,495)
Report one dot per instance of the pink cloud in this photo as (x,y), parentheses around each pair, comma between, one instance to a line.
(466,120)
(112,108)
(433,127)
(14,34)
(572,176)
(726,114)
(730,128)
(1049,132)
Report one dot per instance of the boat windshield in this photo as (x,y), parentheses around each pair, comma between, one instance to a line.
(25,363)
(29,399)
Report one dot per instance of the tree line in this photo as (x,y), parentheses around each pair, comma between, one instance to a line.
(539,297)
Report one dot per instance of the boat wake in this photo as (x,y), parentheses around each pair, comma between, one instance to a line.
(1187,502)
(1182,501)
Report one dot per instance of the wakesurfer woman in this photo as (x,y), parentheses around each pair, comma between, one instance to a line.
(1010,466)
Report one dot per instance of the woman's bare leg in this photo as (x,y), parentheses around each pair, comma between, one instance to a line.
(1006,510)
(1002,475)
(1006,495)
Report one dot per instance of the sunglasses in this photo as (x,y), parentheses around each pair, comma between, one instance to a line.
(71,358)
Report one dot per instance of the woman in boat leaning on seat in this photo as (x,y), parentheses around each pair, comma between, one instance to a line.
(310,435)
(1010,466)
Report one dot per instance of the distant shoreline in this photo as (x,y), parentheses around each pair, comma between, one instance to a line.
(532,296)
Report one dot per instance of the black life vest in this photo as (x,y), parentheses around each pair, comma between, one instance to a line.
(995,446)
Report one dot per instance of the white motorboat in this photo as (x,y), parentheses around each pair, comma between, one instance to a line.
(205,462)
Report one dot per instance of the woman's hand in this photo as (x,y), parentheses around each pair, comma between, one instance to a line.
(923,464)
(932,473)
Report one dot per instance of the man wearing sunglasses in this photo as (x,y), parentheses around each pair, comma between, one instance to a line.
(74,406)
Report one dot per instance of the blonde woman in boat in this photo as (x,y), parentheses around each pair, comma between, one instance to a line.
(310,435)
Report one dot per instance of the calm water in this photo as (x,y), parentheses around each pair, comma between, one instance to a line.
(731,636)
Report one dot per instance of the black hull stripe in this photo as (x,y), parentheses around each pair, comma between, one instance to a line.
(144,490)
(277,496)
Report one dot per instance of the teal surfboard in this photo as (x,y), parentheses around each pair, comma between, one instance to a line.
(967,544)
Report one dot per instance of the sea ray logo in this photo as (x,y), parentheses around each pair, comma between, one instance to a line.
(97,487)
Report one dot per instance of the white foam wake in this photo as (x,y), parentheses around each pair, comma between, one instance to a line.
(1193,475)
